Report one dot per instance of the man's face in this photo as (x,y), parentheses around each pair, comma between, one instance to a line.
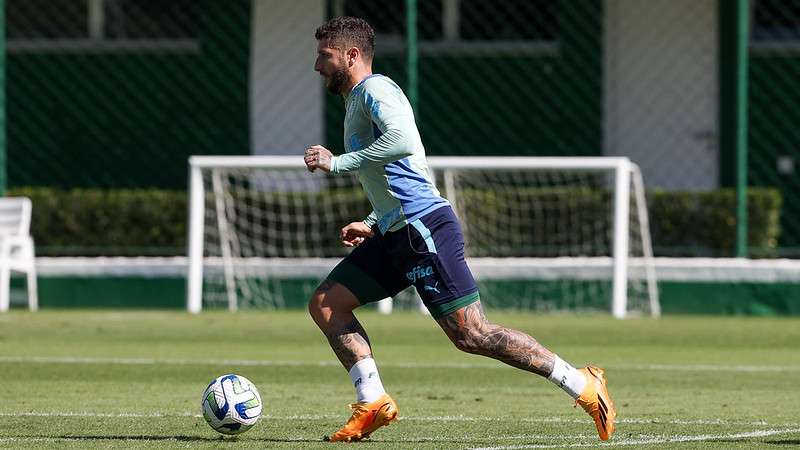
(332,65)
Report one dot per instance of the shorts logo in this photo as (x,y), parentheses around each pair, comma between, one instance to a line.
(418,273)
(432,288)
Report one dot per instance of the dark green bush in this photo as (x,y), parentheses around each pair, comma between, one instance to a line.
(704,223)
(514,222)
(107,222)
(535,221)
(545,220)
(328,211)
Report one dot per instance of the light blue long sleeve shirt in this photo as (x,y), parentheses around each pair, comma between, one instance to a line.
(383,144)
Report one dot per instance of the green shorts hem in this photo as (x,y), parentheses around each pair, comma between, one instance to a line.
(443,309)
(366,289)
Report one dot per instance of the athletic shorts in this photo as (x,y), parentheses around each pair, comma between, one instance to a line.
(427,253)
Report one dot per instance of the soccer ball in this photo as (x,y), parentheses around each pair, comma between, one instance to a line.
(231,404)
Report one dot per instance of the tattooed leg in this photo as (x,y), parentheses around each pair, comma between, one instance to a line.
(331,306)
(350,343)
(471,332)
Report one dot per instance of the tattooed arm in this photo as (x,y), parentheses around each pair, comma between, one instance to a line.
(471,332)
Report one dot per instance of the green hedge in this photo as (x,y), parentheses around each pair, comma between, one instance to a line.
(536,221)
(91,222)
(704,223)
(543,221)
(153,222)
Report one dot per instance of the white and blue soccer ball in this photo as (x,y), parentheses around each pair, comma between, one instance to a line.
(231,404)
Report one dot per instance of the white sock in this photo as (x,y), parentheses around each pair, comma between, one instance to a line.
(567,378)
(366,380)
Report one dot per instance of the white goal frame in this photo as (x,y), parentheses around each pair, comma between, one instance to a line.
(624,172)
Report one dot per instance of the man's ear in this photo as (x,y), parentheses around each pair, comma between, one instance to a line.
(352,55)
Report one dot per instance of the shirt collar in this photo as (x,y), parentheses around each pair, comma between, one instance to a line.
(359,84)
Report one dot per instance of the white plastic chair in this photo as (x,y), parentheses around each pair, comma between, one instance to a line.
(16,249)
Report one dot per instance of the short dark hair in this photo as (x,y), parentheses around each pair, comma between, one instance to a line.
(350,32)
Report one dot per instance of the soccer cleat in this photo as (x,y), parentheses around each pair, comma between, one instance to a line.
(366,418)
(597,403)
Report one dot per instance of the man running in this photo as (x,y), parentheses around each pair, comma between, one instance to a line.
(412,237)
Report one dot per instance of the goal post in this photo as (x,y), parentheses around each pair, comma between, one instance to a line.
(574,229)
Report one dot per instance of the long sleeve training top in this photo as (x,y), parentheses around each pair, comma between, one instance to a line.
(383,145)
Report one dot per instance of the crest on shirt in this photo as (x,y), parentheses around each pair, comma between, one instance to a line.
(374,106)
(355,142)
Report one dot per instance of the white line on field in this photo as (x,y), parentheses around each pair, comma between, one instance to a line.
(655,440)
(128,439)
(407,365)
(95,414)
(705,368)
(625,420)
(642,440)
(301,417)
(420,439)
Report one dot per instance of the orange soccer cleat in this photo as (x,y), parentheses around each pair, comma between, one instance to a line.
(597,403)
(366,418)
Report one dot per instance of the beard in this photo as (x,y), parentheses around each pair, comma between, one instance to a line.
(337,81)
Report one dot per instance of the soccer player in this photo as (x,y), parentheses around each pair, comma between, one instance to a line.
(412,237)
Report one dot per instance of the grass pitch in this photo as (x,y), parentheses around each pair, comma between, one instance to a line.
(127,379)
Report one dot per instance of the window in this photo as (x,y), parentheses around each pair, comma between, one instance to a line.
(388,17)
(152,19)
(776,20)
(464,26)
(775,25)
(46,19)
(508,20)
(53,25)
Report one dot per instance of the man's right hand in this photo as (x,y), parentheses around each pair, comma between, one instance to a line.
(318,157)
(355,233)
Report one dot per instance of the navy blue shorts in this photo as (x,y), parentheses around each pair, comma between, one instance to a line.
(427,253)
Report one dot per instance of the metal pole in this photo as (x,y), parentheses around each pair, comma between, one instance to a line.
(3,159)
(622,199)
(411,53)
(742,46)
(197,203)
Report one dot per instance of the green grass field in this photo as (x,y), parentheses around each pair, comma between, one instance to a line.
(122,379)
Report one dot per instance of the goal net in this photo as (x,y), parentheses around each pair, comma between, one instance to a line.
(544,234)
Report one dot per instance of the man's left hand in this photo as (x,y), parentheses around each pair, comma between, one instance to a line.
(318,157)
(354,234)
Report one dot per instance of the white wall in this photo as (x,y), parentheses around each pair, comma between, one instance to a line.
(661,89)
(286,95)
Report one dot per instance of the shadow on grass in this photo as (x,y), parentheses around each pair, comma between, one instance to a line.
(784,442)
(758,443)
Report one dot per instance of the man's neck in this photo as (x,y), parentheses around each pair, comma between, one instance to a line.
(355,79)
